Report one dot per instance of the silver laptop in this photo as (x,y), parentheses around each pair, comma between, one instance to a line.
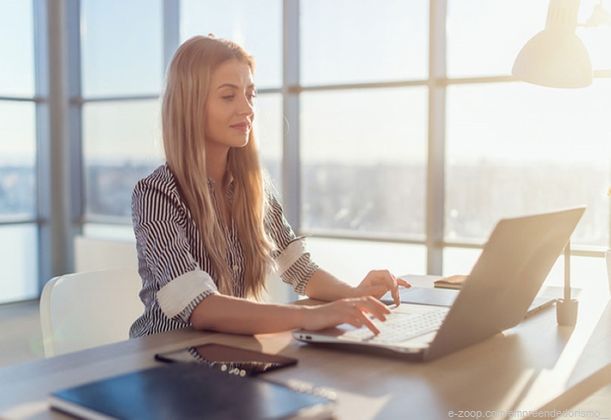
(495,296)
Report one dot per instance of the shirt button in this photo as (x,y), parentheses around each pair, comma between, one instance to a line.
(235,267)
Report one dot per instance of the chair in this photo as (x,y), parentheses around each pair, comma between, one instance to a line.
(88,309)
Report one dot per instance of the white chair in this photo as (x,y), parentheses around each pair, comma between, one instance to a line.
(83,310)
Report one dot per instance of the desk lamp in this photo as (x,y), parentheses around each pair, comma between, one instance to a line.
(556,57)
(566,308)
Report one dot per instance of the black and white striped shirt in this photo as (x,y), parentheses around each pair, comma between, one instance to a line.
(175,269)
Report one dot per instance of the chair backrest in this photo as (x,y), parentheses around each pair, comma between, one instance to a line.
(83,310)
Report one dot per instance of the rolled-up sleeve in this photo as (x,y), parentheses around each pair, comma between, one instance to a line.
(166,264)
(293,262)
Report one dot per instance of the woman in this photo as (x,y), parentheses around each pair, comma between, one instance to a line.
(209,229)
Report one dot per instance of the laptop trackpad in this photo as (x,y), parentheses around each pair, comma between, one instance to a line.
(424,296)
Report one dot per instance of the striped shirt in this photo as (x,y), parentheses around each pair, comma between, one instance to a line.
(175,269)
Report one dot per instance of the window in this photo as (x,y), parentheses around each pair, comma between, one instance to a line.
(121,144)
(363,121)
(363,41)
(18,206)
(363,154)
(17,42)
(268,126)
(121,44)
(17,159)
(513,148)
(257,26)
(122,68)
(351,260)
(485,36)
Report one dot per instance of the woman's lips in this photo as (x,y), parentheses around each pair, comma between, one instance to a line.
(243,127)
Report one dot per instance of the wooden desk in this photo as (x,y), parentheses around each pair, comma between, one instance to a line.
(535,366)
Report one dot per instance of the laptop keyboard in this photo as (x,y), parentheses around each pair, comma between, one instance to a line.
(400,326)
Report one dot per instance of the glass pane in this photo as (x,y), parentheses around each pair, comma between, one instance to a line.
(121,47)
(459,260)
(358,41)
(351,260)
(268,124)
(122,143)
(485,36)
(363,160)
(586,272)
(256,25)
(516,148)
(19,262)
(17,158)
(16,48)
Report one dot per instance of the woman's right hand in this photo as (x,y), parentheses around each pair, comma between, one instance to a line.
(353,311)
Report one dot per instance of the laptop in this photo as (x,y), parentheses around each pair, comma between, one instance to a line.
(495,296)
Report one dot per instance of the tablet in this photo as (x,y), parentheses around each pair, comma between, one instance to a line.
(233,360)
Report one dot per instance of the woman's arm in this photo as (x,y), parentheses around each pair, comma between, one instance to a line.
(324,286)
(240,316)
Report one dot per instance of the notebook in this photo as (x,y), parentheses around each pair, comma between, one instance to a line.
(189,391)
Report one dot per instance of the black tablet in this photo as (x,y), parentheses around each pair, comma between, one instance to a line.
(233,360)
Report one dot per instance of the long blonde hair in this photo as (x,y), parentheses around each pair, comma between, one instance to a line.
(184,138)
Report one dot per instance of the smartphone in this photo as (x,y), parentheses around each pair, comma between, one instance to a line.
(233,360)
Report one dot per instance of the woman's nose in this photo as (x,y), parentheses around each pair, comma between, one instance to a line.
(246,107)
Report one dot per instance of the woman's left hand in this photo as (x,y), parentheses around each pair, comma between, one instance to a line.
(378,282)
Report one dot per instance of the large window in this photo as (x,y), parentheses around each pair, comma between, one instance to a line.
(18,206)
(122,72)
(513,148)
(363,159)
(348,118)
(536,149)
(258,27)
(363,116)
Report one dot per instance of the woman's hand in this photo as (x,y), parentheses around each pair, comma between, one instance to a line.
(378,282)
(353,311)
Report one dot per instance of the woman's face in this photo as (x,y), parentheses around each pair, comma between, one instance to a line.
(229,110)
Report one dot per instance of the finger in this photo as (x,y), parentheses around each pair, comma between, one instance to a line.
(356,322)
(395,294)
(377,291)
(367,322)
(404,283)
(386,278)
(374,307)
(391,282)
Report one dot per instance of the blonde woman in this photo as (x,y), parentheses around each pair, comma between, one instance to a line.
(208,227)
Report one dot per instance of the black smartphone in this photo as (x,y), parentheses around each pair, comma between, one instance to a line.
(233,360)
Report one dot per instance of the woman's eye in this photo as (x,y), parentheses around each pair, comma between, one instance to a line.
(227,98)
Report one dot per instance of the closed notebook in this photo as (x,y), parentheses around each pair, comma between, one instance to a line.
(188,391)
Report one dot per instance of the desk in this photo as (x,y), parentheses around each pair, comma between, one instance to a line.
(536,365)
